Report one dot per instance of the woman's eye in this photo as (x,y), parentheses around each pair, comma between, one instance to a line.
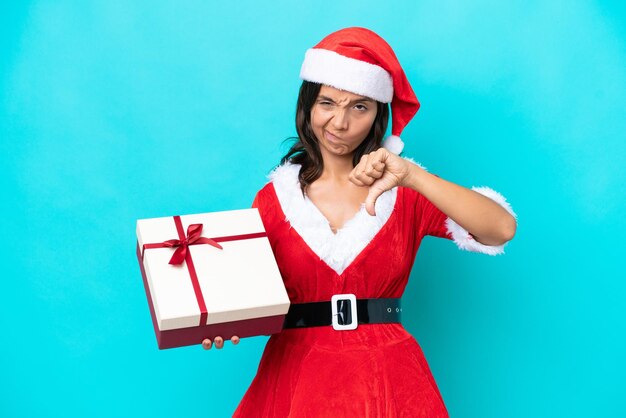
(324,103)
(361,107)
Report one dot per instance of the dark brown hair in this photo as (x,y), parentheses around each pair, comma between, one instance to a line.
(306,151)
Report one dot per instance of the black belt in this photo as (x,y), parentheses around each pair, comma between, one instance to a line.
(342,309)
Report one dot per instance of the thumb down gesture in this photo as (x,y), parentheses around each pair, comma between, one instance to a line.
(380,171)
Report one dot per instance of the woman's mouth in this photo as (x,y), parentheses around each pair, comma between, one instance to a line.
(332,138)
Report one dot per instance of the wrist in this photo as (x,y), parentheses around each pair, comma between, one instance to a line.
(414,177)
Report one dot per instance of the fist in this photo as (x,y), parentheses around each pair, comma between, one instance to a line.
(380,171)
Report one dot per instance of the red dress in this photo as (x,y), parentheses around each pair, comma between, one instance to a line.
(377,370)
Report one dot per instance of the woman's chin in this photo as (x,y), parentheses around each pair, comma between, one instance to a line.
(338,151)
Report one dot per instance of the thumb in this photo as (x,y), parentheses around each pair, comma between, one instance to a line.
(370,201)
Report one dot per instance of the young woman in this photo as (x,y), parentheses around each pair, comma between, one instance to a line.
(345,216)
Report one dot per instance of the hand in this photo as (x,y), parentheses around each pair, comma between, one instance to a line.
(219,342)
(381,171)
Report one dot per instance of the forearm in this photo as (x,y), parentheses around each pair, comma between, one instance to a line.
(487,221)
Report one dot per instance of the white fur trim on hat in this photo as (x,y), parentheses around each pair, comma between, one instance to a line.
(464,240)
(337,250)
(349,74)
(393,144)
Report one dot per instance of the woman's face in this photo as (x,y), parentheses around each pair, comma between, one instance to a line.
(341,120)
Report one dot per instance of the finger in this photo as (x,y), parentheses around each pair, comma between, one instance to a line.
(370,201)
(375,169)
(370,168)
(361,164)
(365,179)
(365,174)
(235,340)
(206,344)
(356,179)
(374,165)
(382,154)
(377,166)
(219,343)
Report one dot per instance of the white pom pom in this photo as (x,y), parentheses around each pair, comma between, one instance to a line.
(393,144)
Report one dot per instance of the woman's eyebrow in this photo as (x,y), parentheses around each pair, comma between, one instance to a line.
(325,98)
(360,99)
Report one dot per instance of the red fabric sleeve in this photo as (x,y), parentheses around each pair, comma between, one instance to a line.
(269,209)
(432,220)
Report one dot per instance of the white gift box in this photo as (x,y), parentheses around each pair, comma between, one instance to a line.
(239,286)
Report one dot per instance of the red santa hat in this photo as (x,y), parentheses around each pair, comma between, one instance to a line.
(361,62)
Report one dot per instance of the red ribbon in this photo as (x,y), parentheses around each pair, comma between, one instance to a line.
(182,253)
(193,238)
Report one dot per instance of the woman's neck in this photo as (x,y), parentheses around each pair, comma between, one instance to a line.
(337,167)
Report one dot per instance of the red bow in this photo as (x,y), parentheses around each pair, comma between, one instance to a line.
(193,238)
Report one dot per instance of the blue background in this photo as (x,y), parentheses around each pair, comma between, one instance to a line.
(115,110)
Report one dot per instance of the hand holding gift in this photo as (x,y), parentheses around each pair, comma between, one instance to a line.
(219,342)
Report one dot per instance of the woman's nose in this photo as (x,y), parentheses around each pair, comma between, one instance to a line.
(340,119)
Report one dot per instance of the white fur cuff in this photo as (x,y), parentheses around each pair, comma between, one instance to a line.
(464,240)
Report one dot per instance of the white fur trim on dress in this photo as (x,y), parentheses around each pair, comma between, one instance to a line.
(411,160)
(359,77)
(464,240)
(393,144)
(337,250)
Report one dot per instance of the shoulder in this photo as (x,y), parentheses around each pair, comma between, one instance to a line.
(264,194)
(276,197)
(283,185)
(285,176)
